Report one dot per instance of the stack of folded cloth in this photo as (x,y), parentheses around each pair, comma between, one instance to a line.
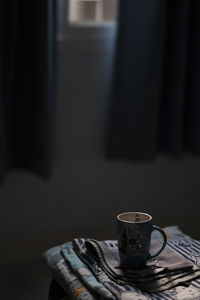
(90,269)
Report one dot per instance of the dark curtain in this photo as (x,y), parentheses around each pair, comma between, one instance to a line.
(27,85)
(155,103)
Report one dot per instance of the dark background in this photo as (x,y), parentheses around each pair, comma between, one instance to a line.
(86,190)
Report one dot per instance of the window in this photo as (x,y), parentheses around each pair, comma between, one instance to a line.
(91,12)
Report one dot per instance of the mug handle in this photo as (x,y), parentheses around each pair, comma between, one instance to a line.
(164,241)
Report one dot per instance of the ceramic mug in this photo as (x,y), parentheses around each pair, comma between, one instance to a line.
(134,231)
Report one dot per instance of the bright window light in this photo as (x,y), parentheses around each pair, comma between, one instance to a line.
(92,11)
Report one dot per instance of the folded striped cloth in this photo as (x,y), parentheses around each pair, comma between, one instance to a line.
(167,271)
(64,275)
(83,274)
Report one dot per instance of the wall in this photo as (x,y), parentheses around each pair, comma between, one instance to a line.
(86,191)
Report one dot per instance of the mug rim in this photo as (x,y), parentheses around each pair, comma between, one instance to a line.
(134,212)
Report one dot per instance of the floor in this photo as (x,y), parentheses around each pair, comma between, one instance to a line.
(24,281)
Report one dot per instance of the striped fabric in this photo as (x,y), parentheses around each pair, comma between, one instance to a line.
(73,278)
(187,247)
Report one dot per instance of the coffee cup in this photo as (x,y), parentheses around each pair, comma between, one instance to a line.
(134,231)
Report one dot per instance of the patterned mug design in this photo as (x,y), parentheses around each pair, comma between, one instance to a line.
(134,238)
(133,244)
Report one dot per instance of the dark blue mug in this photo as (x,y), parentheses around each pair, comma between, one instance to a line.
(134,231)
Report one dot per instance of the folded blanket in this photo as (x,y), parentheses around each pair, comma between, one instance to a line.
(117,291)
(168,270)
(84,273)
(79,280)
(64,275)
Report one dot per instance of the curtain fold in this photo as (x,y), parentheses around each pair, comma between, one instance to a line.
(27,85)
(155,104)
